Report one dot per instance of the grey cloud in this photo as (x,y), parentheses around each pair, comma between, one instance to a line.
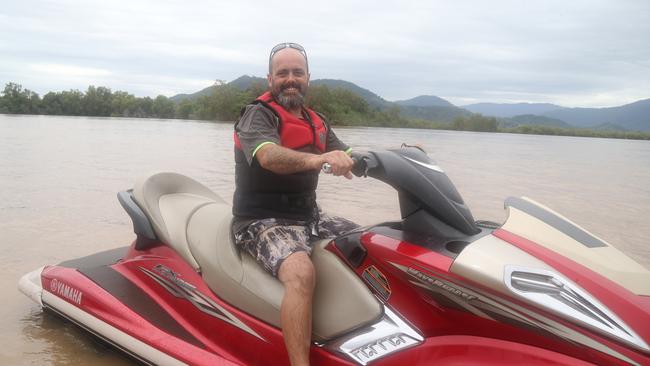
(584,52)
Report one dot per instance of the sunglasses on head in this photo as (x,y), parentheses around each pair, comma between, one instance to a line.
(283,45)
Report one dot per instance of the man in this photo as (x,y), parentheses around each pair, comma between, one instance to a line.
(280,147)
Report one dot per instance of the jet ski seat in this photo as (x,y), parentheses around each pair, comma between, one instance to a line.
(196,222)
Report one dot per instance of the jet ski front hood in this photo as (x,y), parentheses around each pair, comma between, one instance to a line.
(541,258)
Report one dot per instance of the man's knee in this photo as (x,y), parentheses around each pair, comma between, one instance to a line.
(298,272)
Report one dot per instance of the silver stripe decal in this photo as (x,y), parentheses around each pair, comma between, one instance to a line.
(516,312)
(581,236)
(428,166)
(200,301)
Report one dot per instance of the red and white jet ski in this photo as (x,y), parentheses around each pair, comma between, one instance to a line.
(436,288)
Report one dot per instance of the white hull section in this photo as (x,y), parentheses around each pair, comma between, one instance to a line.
(123,341)
(30,285)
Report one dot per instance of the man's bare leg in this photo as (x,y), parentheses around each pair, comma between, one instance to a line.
(298,276)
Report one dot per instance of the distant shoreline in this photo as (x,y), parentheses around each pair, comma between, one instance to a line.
(341,107)
(522,130)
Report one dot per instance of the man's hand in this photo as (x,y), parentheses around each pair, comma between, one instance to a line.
(340,162)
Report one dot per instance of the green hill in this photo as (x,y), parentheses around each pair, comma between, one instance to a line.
(425,101)
(373,99)
(634,116)
(508,110)
(534,120)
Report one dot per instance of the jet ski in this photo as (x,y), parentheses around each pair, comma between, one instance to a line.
(434,288)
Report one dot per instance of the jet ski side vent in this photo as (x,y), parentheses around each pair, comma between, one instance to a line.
(559,295)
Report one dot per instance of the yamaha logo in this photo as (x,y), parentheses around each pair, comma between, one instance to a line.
(65,291)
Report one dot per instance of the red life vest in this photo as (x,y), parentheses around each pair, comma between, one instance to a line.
(261,193)
(295,133)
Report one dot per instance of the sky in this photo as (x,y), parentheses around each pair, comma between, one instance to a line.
(578,53)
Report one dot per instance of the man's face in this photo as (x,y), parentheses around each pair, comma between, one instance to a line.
(289,79)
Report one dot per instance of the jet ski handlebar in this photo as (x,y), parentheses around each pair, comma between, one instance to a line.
(426,194)
(362,162)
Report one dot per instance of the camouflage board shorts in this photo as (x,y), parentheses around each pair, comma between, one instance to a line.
(270,241)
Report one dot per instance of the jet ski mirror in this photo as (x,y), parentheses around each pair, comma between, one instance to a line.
(407,146)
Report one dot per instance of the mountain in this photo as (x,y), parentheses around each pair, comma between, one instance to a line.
(433,113)
(425,101)
(511,109)
(244,82)
(431,108)
(426,107)
(634,116)
(200,93)
(373,99)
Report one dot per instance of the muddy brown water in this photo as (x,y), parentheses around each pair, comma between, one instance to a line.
(59,177)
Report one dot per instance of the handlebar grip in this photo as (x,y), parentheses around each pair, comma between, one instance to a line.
(359,168)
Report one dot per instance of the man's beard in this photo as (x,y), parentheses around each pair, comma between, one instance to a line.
(289,101)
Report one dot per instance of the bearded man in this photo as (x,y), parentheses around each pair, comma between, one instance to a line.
(280,147)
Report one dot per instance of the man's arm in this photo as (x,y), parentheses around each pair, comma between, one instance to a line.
(281,160)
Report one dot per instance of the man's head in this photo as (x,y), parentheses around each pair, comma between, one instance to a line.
(288,75)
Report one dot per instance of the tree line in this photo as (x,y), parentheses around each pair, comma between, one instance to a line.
(95,101)
(341,106)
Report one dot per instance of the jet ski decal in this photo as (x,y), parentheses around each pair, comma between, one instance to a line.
(66,291)
(180,288)
(489,308)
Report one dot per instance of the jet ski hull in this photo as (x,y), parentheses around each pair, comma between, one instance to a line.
(110,301)
(433,288)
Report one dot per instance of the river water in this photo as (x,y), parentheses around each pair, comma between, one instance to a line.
(59,177)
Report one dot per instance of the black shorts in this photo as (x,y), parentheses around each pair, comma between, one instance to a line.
(270,241)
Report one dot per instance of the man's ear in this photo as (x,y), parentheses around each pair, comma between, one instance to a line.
(268,78)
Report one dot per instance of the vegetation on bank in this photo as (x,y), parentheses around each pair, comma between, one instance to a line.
(578,132)
(341,106)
